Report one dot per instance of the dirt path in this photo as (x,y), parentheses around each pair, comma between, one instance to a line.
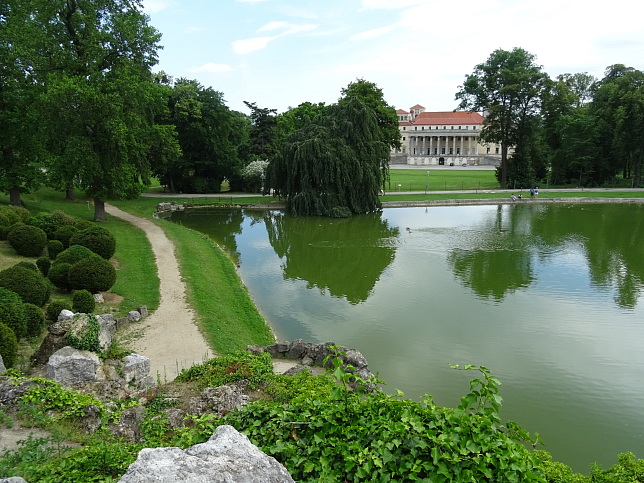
(170,337)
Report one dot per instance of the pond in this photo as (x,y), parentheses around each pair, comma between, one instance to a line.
(548,296)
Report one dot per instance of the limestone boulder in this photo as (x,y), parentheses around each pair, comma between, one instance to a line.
(227,456)
(70,367)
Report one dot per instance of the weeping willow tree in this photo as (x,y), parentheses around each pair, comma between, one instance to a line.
(334,165)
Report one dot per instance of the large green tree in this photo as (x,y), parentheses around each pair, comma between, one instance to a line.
(264,132)
(332,165)
(507,86)
(20,145)
(94,58)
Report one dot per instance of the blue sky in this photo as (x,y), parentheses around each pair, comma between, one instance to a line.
(280,53)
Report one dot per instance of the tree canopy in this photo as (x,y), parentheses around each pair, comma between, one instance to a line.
(332,166)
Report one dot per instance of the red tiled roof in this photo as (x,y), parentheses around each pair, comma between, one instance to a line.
(401,111)
(449,117)
(417,106)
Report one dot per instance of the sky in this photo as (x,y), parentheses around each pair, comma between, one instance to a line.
(281,53)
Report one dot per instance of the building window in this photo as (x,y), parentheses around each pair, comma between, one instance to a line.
(415,128)
(451,150)
(458,150)
(473,128)
(488,151)
(496,150)
(422,128)
(444,127)
(404,128)
(442,150)
(467,127)
(403,138)
(459,127)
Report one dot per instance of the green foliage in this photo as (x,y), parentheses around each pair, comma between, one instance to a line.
(373,436)
(556,472)
(83,302)
(282,389)
(55,307)
(35,320)
(93,273)
(12,312)
(54,247)
(8,345)
(230,368)
(73,254)
(27,240)
(628,469)
(31,455)
(59,275)
(4,230)
(28,265)
(253,176)
(97,239)
(64,233)
(31,286)
(50,222)
(10,215)
(85,336)
(43,264)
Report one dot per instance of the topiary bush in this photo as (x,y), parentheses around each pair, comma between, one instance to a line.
(28,265)
(83,302)
(73,254)
(8,345)
(64,233)
(43,264)
(12,312)
(97,239)
(94,274)
(83,224)
(32,287)
(4,230)
(35,320)
(59,275)
(50,222)
(56,307)
(27,240)
(54,247)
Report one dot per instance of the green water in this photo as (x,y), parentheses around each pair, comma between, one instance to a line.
(548,296)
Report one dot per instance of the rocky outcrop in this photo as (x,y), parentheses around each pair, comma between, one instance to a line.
(310,354)
(2,367)
(227,456)
(70,367)
(13,479)
(220,400)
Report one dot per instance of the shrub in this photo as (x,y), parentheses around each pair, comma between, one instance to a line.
(28,265)
(83,224)
(13,214)
(12,312)
(35,320)
(64,233)
(4,230)
(50,222)
(8,345)
(94,274)
(59,275)
(97,239)
(43,264)
(83,301)
(32,287)
(54,247)
(27,240)
(73,254)
(84,337)
(56,307)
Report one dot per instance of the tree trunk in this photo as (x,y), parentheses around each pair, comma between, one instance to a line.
(99,210)
(14,196)
(70,194)
(504,165)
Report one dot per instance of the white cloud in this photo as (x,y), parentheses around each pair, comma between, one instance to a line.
(211,68)
(271,26)
(373,33)
(247,46)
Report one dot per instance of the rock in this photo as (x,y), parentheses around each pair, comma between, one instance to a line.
(12,390)
(227,456)
(98,298)
(297,349)
(2,367)
(220,400)
(13,479)
(143,310)
(91,421)
(69,366)
(133,316)
(121,322)
(50,344)
(62,325)
(129,426)
(135,368)
(107,326)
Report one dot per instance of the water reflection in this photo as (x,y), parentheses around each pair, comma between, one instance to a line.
(345,257)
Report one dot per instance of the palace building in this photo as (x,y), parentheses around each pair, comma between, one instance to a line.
(442,138)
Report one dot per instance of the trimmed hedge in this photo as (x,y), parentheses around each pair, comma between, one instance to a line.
(64,233)
(54,248)
(94,274)
(55,307)
(73,254)
(50,222)
(8,345)
(12,312)
(59,275)
(27,240)
(97,239)
(28,265)
(83,302)
(43,264)
(32,287)
(35,320)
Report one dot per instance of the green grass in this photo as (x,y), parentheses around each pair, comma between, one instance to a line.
(441,179)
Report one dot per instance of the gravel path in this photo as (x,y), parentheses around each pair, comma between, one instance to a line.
(170,337)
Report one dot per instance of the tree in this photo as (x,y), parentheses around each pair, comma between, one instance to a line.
(19,141)
(332,165)
(101,100)
(263,133)
(508,86)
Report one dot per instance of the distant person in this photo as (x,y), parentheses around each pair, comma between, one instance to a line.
(536,192)
(531,192)
(513,198)
(520,196)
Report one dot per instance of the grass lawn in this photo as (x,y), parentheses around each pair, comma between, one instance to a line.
(441,179)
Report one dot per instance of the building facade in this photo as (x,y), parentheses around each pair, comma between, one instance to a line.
(442,138)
